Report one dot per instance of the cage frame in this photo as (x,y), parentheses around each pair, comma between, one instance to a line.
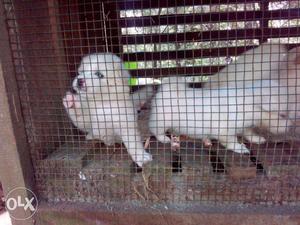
(15,163)
(17,151)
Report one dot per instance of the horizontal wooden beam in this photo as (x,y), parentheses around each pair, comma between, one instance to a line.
(193,213)
(185,54)
(208,17)
(238,34)
(144,4)
(184,71)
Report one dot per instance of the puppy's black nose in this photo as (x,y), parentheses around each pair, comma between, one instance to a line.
(80,83)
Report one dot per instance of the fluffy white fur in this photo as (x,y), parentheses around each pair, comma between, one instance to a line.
(290,77)
(218,113)
(258,63)
(106,106)
(267,61)
(79,112)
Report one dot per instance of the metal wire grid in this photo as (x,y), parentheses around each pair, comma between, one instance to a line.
(155,38)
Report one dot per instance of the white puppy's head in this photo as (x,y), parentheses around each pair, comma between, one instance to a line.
(101,73)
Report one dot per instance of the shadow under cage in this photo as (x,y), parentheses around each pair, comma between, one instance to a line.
(155,39)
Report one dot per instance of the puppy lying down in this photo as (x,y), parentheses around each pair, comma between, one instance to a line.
(103,106)
(220,114)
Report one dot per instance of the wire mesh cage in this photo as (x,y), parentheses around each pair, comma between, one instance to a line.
(105,83)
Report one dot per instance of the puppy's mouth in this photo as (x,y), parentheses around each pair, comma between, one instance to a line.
(81,84)
(73,91)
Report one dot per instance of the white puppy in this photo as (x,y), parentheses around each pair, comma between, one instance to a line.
(217,113)
(258,63)
(78,110)
(263,62)
(106,106)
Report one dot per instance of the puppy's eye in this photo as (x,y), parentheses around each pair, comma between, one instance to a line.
(98,74)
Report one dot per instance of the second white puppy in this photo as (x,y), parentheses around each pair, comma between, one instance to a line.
(220,114)
(102,86)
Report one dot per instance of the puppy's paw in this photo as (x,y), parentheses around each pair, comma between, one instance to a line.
(71,101)
(147,143)
(175,142)
(89,137)
(257,139)
(207,142)
(143,158)
(163,139)
(109,140)
(68,100)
